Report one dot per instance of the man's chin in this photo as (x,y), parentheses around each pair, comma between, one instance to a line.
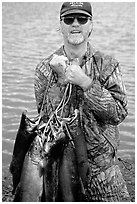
(76,41)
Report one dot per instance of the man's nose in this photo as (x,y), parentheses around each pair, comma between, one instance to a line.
(75,23)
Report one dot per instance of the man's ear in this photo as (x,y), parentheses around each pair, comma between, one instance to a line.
(60,28)
(91,29)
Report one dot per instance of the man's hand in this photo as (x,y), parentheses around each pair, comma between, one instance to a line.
(59,65)
(70,73)
(75,75)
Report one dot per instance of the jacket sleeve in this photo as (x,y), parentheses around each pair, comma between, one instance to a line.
(106,96)
(41,80)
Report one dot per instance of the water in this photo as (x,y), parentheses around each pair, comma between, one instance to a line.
(29,33)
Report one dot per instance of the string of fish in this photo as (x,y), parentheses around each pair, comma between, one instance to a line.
(53,130)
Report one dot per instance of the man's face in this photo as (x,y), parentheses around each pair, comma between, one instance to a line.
(76,28)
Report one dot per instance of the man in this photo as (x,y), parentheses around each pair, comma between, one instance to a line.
(97,92)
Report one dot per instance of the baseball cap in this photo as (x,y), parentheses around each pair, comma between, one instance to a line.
(76,7)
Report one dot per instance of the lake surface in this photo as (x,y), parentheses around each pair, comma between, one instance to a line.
(30,33)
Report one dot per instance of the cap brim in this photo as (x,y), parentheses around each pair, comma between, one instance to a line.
(75,11)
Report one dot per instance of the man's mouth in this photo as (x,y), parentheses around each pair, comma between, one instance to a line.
(75,32)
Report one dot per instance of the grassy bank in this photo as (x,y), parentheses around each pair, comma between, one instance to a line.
(129,176)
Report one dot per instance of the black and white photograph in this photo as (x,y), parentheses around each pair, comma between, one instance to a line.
(68,101)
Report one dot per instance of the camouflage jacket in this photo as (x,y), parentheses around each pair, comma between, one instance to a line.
(103,105)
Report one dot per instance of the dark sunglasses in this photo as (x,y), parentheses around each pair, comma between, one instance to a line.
(69,20)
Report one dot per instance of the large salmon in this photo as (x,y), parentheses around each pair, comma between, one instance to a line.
(25,135)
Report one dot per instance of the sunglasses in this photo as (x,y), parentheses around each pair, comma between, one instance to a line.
(69,20)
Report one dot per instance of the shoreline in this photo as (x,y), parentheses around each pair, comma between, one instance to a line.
(129,176)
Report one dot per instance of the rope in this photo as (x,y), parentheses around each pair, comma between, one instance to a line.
(56,121)
(64,100)
(126,164)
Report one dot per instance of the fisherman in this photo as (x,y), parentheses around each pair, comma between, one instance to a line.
(98,95)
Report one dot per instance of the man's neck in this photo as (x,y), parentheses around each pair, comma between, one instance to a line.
(75,51)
